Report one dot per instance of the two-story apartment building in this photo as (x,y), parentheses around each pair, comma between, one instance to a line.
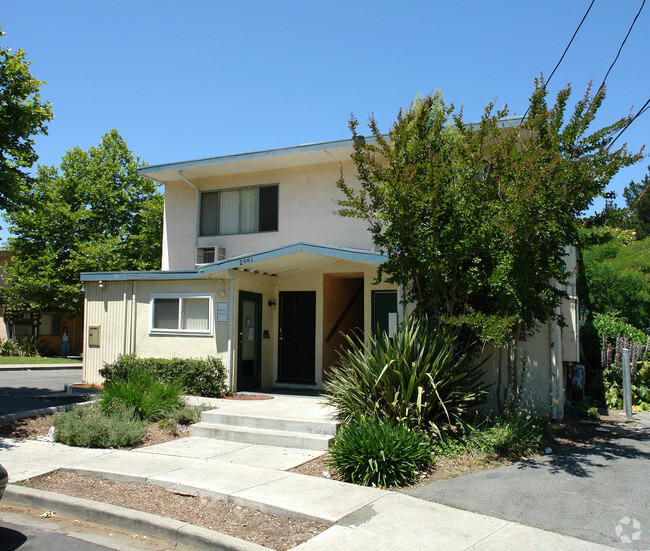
(259,270)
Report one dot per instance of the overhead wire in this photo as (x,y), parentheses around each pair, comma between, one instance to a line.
(566,50)
(621,47)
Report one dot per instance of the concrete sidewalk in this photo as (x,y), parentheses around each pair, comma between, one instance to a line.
(257,476)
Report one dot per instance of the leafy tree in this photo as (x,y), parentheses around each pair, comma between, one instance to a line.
(475,218)
(22,115)
(617,274)
(637,199)
(92,213)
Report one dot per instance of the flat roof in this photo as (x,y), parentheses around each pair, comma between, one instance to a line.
(267,159)
(132,276)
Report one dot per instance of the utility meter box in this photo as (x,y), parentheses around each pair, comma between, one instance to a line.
(93,335)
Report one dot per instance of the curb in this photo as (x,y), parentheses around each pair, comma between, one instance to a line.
(9,417)
(170,529)
(38,367)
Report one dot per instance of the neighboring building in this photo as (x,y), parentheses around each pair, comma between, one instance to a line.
(48,325)
(259,270)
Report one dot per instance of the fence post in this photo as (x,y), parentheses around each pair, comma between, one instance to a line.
(627,385)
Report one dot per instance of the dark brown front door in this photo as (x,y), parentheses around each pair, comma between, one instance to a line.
(297,336)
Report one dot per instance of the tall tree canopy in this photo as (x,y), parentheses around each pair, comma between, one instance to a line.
(475,218)
(22,116)
(637,200)
(92,213)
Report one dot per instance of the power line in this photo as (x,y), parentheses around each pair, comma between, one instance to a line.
(621,47)
(643,109)
(566,50)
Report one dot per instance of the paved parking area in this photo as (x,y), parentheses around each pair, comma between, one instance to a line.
(34,389)
(600,494)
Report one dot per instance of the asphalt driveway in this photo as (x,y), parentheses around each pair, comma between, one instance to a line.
(35,389)
(600,494)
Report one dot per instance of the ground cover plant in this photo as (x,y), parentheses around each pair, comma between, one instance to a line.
(91,427)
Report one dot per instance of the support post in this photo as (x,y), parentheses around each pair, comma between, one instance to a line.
(627,385)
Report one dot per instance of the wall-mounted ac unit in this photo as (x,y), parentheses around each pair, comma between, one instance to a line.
(207,255)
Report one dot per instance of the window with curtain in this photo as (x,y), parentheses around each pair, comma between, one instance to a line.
(243,210)
(183,313)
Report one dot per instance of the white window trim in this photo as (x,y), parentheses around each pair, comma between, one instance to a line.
(181,297)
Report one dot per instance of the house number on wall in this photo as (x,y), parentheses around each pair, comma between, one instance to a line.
(246,260)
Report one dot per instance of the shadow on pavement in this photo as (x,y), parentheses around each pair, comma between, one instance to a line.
(581,461)
(11,539)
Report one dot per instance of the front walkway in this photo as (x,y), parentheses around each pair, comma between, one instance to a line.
(281,406)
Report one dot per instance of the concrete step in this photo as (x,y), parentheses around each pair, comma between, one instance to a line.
(265,436)
(272,423)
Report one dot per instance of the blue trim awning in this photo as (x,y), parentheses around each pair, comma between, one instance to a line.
(144,276)
(273,262)
(290,258)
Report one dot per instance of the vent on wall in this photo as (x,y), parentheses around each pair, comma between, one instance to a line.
(207,255)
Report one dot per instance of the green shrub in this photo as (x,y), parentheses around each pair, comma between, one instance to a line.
(150,397)
(31,347)
(91,427)
(204,377)
(610,326)
(640,387)
(187,415)
(511,435)
(380,453)
(10,347)
(423,376)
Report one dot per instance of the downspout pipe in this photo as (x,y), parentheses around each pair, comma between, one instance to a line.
(196,205)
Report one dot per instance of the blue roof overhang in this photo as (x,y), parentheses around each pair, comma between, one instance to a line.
(139,276)
(290,258)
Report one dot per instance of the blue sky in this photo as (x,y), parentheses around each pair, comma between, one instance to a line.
(185,80)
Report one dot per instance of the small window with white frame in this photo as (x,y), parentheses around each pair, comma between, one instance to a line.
(186,313)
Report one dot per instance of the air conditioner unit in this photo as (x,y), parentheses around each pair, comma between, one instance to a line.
(208,255)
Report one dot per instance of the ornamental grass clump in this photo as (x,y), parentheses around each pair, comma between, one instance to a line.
(91,427)
(151,398)
(380,453)
(424,377)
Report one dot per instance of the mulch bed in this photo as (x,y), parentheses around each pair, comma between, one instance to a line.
(271,531)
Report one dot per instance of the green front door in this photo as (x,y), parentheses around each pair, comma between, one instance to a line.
(249,341)
(384,312)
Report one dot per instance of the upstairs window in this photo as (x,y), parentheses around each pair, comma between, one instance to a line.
(184,313)
(242,210)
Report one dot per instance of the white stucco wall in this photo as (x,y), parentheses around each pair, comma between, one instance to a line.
(306,212)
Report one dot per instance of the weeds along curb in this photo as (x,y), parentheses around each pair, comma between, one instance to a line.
(181,533)
(9,417)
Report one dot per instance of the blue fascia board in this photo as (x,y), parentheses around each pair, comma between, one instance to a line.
(248,260)
(133,276)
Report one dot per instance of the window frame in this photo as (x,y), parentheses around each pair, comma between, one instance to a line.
(181,297)
(239,188)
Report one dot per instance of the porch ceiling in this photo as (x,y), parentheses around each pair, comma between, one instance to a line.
(289,258)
